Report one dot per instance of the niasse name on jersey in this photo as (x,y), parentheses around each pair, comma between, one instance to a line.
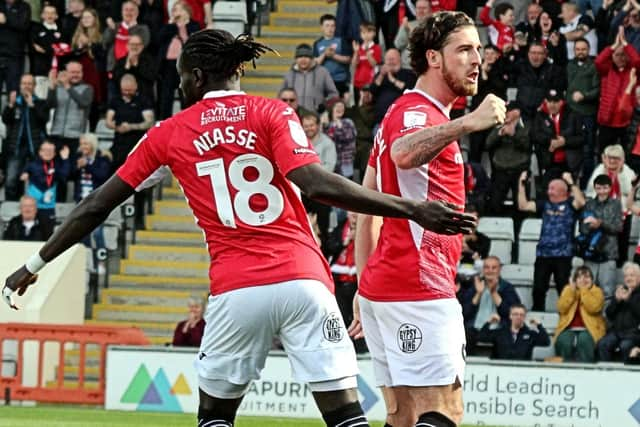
(217,136)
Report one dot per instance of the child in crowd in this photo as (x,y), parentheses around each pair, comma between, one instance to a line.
(501,30)
(366,56)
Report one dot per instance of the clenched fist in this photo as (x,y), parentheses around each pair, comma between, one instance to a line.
(489,113)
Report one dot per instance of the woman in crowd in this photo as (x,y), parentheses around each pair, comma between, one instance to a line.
(188,333)
(343,132)
(170,40)
(581,323)
(91,169)
(552,39)
(89,51)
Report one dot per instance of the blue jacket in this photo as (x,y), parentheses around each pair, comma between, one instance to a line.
(506,291)
(98,172)
(504,347)
(44,194)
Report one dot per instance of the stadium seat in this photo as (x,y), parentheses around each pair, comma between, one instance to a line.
(8,210)
(528,240)
(230,16)
(541,353)
(63,210)
(518,274)
(526,298)
(500,231)
(548,320)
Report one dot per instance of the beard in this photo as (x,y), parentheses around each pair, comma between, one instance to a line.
(460,87)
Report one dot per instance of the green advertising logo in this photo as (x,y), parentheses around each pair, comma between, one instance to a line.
(155,394)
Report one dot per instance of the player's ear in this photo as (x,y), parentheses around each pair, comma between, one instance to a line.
(434,58)
(199,77)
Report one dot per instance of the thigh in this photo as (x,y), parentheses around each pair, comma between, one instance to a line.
(313,332)
(373,337)
(237,336)
(424,341)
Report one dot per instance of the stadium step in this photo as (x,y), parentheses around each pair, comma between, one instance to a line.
(262,84)
(177,238)
(172,193)
(282,44)
(172,207)
(308,20)
(283,59)
(151,313)
(145,297)
(267,70)
(318,7)
(187,284)
(168,253)
(165,268)
(171,223)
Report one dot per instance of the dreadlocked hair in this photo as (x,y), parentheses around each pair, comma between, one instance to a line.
(219,54)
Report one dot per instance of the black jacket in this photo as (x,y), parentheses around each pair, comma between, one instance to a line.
(44,38)
(533,84)
(496,83)
(624,316)
(505,348)
(543,131)
(167,33)
(15,32)
(14,118)
(41,231)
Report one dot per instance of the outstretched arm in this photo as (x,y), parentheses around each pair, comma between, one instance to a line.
(329,188)
(90,213)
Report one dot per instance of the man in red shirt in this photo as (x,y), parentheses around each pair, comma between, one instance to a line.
(242,161)
(410,315)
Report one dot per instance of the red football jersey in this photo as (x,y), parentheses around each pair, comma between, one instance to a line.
(231,153)
(411,263)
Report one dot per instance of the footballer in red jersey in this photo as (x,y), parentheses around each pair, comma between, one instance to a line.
(411,318)
(241,162)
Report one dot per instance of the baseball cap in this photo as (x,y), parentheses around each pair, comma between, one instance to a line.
(553,95)
(304,50)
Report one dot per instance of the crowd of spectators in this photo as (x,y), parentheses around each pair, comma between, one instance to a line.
(569,150)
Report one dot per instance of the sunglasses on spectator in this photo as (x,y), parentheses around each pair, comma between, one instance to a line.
(288,99)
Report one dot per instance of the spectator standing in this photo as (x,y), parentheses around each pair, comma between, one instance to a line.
(534,77)
(514,340)
(44,176)
(510,148)
(47,48)
(363,117)
(129,115)
(366,57)
(557,137)
(334,54)
(390,14)
(70,20)
(343,133)
(71,98)
(623,314)
(401,42)
(92,168)
(476,245)
(290,97)
(632,140)
(501,30)
(29,225)
(201,11)
(390,82)
(576,26)
(140,63)
(493,79)
(614,65)
(15,19)
(602,220)
(583,96)
(528,27)
(87,49)
(312,82)
(171,38)
(629,17)
(350,14)
(116,35)
(552,40)
(188,333)
(25,118)
(326,149)
(489,295)
(555,247)
(581,323)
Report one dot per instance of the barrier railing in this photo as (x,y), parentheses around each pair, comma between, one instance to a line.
(20,334)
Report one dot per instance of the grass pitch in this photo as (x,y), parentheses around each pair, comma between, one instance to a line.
(64,416)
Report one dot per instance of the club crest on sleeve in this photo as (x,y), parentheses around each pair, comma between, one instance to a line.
(409,338)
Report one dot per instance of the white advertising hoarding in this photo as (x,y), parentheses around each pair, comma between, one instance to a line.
(514,394)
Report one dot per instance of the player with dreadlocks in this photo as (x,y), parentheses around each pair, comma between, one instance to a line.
(237,157)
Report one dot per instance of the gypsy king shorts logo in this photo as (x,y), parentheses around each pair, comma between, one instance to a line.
(409,338)
(332,328)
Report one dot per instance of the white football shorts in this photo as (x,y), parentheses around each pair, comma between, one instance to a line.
(241,324)
(415,343)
